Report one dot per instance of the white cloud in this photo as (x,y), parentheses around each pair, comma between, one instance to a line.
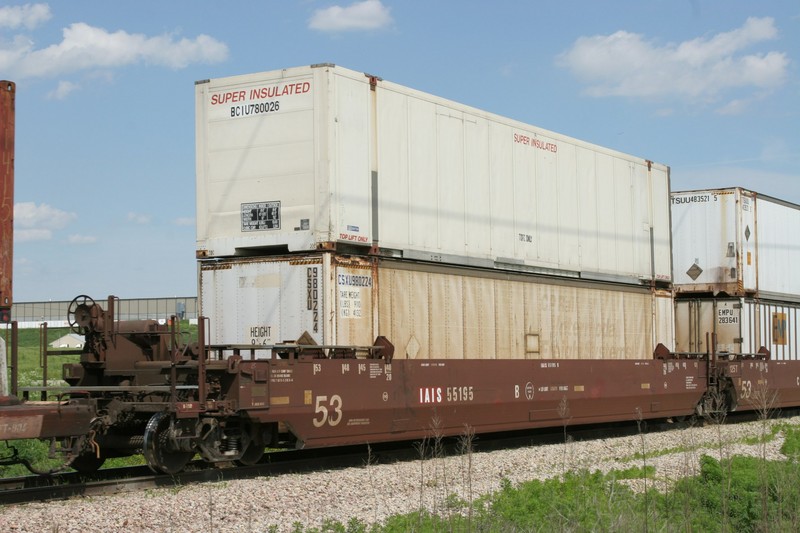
(778,150)
(700,70)
(34,222)
(63,89)
(366,15)
(29,16)
(734,107)
(85,47)
(507,70)
(28,215)
(184,221)
(28,235)
(139,218)
(81,239)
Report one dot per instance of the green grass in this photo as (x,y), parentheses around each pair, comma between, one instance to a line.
(765,438)
(791,443)
(739,494)
(634,472)
(744,493)
(30,363)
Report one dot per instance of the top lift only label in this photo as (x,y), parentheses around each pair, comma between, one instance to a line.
(260,99)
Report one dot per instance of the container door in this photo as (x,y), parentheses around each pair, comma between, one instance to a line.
(747,242)
(351,165)
(683,333)
(728,325)
(354,282)
(264,302)
(694,324)
(697,320)
(664,319)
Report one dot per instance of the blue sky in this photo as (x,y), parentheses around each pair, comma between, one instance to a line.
(105,163)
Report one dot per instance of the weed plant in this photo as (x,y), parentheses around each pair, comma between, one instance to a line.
(728,493)
(593,501)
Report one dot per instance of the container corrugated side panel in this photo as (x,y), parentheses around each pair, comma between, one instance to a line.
(453,313)
(778,242)
(461,185)
(773,325)
(779,324)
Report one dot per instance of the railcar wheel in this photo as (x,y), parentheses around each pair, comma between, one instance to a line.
(157,448)
(252,455)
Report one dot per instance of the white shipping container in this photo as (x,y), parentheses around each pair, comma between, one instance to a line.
(736,242)
(314,157)
(741,325)
(265,301)
(430,311)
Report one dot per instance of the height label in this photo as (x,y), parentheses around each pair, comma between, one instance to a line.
(259,334)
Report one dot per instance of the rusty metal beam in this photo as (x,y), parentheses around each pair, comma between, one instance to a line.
(7,120)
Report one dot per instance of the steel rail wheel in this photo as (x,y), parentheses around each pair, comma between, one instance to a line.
(157,449)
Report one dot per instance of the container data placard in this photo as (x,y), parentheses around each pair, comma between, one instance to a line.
(261,216)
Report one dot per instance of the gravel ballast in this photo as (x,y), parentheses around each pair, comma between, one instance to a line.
(374,492)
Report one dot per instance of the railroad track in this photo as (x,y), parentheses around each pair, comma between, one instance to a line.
(119,480)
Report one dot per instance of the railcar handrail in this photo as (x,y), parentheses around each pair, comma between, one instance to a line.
(290,350)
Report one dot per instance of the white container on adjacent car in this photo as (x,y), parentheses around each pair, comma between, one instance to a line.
(321,157)
(741,325)
(735,242)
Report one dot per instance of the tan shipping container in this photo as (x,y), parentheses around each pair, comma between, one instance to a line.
(430,311)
